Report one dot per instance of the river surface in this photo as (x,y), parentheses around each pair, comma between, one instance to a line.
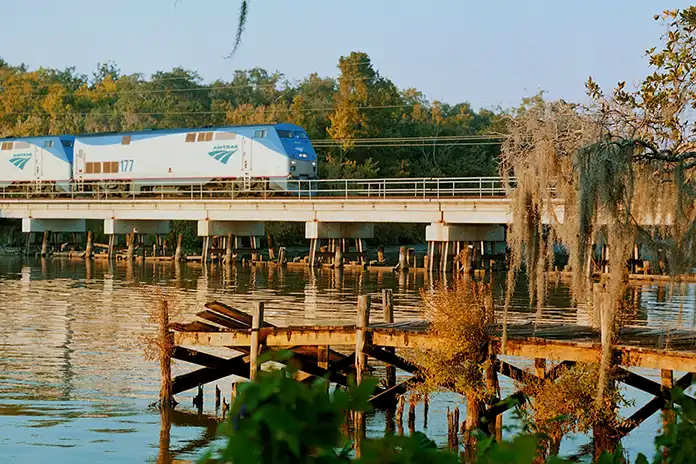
(75,386)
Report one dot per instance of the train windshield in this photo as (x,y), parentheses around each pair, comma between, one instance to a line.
(286,134)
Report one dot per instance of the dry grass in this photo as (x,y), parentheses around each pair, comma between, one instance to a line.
(461,320)
(568,405)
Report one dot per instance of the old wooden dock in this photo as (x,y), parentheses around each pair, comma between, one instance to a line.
(341,351)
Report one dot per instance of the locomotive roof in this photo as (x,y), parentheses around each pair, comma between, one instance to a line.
(287,126)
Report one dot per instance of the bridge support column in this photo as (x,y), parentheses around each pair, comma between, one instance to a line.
(450,241)
(232,230)
(337,234)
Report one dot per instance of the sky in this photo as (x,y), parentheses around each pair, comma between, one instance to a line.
(489,53)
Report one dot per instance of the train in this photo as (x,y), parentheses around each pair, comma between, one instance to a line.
(251,158)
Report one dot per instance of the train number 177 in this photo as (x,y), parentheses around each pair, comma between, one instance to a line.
(126,165)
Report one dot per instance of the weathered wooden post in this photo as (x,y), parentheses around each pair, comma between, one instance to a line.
(44,244)
(256,324)
(281,256)
(403,258)
(400,414)
(412,401)
(388,309)
(130,242)
(363,322)
(217,398)
(271,249)
(668,416)
(166,342)
(88,248)
(228,249)
(338,256)
(179,242)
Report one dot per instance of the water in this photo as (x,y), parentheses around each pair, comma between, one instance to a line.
(74,384)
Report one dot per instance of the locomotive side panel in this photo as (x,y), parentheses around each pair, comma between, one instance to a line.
(36,159)
(180,157)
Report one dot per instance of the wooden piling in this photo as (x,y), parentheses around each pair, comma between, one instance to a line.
(363,322)
(179,243)
(338,256)
(426,409)
(228,249)
(130,242)
(403,258)
(44,244)
(388,309)
(412,401)
(165,344)
(400,414)
(667,380)
(255,348)
(88,248)
(281,256)
(217,398)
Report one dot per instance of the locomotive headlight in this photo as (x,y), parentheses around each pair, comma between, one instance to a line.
(314,163)
(293,162)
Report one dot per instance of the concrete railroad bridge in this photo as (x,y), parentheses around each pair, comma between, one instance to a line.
(457,211)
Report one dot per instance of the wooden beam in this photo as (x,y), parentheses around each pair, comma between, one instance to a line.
(235,366)
(652,406)
(200,358)
(381,354)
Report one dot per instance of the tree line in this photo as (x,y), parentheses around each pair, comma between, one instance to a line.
(359,104)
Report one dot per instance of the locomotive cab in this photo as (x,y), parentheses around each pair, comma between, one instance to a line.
(302,159)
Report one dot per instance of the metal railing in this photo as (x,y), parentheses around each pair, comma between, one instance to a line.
(403,188)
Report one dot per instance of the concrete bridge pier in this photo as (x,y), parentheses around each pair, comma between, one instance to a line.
(338,235)
(47,227)
(132,228)
(448,241)
(229,237)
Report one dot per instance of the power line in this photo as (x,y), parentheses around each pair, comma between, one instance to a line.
(186,113)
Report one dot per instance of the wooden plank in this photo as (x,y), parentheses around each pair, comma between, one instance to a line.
(195,326)
(232,313)
(221,320)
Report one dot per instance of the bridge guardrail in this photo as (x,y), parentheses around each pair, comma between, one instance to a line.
(426,188)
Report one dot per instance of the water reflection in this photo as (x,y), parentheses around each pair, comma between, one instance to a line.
(70,363)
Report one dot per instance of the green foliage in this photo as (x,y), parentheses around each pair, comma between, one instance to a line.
(276,419)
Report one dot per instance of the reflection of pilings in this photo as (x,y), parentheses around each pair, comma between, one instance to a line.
(164,456)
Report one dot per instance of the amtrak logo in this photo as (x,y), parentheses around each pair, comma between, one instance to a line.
(20,159)
(223,154)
